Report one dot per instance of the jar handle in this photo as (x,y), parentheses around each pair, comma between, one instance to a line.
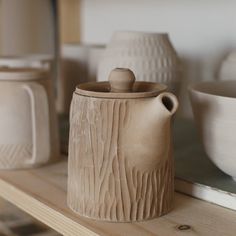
(169,101)
(39,109)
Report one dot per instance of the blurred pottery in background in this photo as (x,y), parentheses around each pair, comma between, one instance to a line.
(41,61)
(150,56)
(79,64)
(214,105)
(228,67)
(28,124)
(31,60)
(120,149)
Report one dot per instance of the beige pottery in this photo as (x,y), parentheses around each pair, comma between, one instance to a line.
(120,149)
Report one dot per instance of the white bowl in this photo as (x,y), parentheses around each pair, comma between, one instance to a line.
(214,108)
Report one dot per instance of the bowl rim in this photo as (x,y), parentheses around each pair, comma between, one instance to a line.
(204,88)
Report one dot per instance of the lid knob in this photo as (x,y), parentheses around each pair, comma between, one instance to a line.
(121,80)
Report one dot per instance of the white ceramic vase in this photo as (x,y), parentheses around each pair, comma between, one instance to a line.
(214,105)
(150,56)
(28,125)
(228,67)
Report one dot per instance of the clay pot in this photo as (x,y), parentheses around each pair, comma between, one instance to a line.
(150,56)
(28,125)
(214,105)
(120,149)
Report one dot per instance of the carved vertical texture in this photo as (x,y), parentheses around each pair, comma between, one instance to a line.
(102,184)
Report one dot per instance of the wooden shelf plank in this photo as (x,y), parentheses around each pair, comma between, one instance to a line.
(42,193)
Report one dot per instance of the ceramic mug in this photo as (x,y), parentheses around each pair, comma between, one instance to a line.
(213,106)
(28,132)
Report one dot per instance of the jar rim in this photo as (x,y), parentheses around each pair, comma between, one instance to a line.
(141,89)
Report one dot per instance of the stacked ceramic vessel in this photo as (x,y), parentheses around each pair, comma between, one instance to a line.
(150,56)
(28,124)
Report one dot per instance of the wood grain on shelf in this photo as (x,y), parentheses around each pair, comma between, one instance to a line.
(42,193)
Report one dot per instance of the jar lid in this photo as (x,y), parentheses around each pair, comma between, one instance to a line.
(121,84)
(16,74)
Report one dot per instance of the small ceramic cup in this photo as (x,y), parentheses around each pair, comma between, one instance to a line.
(214,108)
(28,125)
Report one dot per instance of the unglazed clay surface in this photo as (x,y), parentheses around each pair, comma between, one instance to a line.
(214,111)
(120,157)
(28,132)
(150,56)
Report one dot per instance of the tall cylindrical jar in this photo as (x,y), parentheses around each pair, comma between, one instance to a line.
(151,57)
(120,149)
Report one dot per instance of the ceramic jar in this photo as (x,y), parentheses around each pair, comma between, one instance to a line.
(150,56)
(28,124)
(120,149)
(214,105)
(228,67)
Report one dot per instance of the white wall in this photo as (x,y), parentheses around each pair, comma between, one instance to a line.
(201,31)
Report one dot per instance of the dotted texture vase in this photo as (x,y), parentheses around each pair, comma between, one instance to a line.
(150,56)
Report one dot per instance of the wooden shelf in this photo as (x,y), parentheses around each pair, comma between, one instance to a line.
(42,193)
